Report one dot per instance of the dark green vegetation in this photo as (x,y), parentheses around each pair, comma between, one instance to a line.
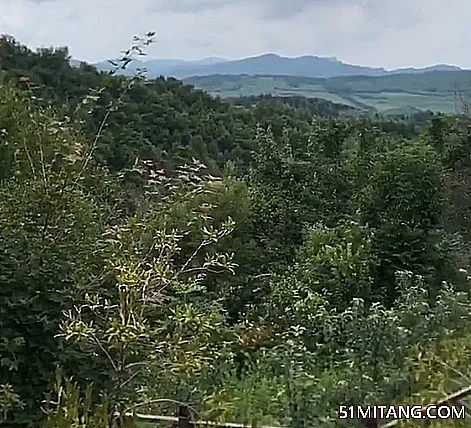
(315,261)
(312,106)
(398,93)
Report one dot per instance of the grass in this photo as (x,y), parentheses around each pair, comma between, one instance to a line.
(434,91)
(387,101)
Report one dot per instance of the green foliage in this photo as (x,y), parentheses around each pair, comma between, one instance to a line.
(256,399)
(325,263)
(149,322)
(394,192)
(360,354)
(338,263)
(73,408)
(9,400)
(311,106)
(49,227)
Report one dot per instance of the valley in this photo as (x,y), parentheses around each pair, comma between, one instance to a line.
(438,91)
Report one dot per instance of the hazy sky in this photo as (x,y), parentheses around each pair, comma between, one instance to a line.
(389,33)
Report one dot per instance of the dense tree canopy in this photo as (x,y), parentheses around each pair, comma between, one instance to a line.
(264,260)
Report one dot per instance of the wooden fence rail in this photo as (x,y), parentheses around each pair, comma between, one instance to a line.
(184,420)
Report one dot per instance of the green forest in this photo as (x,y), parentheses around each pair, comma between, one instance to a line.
(262,260)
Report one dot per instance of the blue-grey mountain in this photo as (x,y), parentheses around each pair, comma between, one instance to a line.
(268,65)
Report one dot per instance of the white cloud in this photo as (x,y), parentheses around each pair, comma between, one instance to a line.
(389,33)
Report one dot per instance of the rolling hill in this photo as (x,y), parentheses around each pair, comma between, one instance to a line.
(371,89)
(396,92)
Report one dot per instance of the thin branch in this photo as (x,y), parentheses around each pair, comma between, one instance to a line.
(31,164)
(190,259)
(129,379)
(43,169)
(107,115)
(95,143)
(115,368)
(155,401)
(462,375)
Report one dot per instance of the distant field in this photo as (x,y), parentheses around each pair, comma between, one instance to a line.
(385,101)
(434,91)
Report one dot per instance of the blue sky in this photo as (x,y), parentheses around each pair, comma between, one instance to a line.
(387,33)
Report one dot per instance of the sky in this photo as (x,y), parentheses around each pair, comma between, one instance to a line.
(380,33)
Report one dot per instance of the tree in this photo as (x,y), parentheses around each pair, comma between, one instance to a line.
(50,225)
(152,285)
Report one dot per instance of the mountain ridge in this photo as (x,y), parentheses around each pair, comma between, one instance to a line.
(267,64)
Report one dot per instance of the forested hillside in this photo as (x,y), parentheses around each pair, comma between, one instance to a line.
(261,260)
(439,91)
(162,120)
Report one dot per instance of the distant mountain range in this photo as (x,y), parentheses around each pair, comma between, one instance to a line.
(267,64)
